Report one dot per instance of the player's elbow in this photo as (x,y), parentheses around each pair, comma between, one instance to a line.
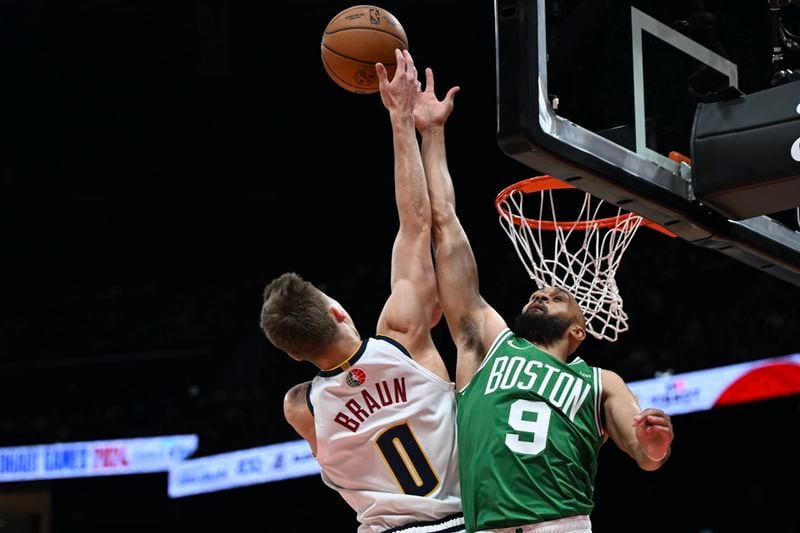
(444,216)
(446,229)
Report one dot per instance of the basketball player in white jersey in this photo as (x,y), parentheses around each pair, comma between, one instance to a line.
(380,414)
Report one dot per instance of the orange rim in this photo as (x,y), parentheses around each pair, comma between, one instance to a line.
(544,183)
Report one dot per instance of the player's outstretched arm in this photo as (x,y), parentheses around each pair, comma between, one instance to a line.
(407,315)
(473,323)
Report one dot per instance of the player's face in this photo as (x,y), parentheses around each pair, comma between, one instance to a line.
(547,316)
(551,301)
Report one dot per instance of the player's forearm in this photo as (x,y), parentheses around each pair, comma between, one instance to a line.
(440,185)
(411,190)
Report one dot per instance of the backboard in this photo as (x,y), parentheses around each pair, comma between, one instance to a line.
(603,94)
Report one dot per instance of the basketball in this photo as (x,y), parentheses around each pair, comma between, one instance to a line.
(357,38)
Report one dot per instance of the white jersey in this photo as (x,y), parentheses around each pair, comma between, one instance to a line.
(386,439)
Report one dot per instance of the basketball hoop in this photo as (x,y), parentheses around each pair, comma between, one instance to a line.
(584,254)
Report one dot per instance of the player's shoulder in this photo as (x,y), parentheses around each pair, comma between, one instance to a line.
(611,380)
(388,343)
(294,401)
(423,359)
(298,413)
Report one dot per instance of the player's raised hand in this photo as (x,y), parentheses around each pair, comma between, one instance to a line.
(430,111)
(401,92)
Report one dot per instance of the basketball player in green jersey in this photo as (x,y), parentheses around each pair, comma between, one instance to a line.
(531,415)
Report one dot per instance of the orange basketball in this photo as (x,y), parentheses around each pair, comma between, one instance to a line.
(357,38)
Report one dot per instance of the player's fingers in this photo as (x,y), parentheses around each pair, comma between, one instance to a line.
(654,427)
(452,93)
(646,421)
(665,429)
(650,416)
(400,59)
(411,69)
(658,419)
(381,71)
(429,79)
(409,61)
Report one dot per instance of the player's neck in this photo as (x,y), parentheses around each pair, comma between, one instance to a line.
(338,352)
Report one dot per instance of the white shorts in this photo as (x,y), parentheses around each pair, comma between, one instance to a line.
(571,524)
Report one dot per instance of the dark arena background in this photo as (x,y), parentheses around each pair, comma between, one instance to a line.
(161,161)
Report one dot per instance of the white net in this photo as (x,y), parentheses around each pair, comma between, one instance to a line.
(581,255)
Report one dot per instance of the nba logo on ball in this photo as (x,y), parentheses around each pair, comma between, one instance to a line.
(357,38)
(355,377)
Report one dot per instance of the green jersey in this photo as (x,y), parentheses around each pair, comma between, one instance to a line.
(529,432)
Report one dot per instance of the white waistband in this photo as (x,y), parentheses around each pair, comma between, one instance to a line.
(455,524)
(571,524)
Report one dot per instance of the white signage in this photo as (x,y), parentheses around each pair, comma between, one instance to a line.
(240,468)
(94,458)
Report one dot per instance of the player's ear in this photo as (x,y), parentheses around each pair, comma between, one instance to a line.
(338,313)
(577,332)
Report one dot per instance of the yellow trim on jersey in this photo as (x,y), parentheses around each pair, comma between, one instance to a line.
(344,365)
